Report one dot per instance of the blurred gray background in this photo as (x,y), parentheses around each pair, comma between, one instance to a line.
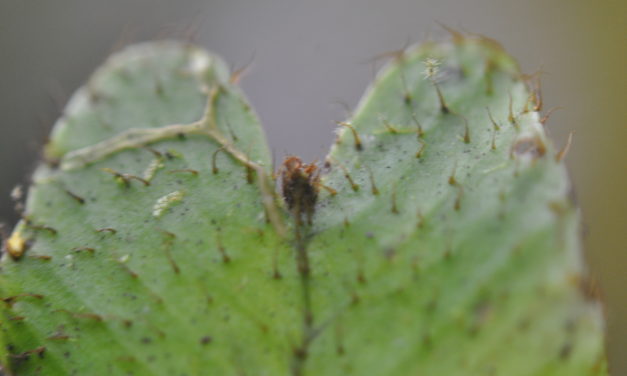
(309,57)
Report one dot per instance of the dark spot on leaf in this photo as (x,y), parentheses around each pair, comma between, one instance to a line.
(206,340)
(565,351)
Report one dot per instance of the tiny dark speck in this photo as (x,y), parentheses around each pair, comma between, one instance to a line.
(369,235)
(206,340)
(565,351)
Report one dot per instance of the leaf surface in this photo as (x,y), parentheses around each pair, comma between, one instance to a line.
(443,240)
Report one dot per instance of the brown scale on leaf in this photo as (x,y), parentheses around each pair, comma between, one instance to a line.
(466,132)
(225,257)
(534,86)
(358,144)
(496,126)
(389,127)
(375,190)
(564,151)
(167,249)
(249,175)
(239,73)
(458,198)
(58,337)
(11,299)
(394,206)
(107,229)
(74,196)
(214,165)
(126,268)
(125,178)
(82,315)
(511,117)
(39,351)
(154,151)
(587,286)
(421,220)
(451,179)
(548,114)
(421,149)
(348,177)
(420,132)
(339,346)
(40,257)
(32,226)
(185,170)
(300,184)
(84,249)
(490,67)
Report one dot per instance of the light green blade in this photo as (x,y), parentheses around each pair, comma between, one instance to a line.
(463,258)
(175,277)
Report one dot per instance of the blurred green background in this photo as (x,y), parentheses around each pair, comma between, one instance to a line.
(311,58)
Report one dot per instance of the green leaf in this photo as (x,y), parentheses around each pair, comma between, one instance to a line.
(442,240)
